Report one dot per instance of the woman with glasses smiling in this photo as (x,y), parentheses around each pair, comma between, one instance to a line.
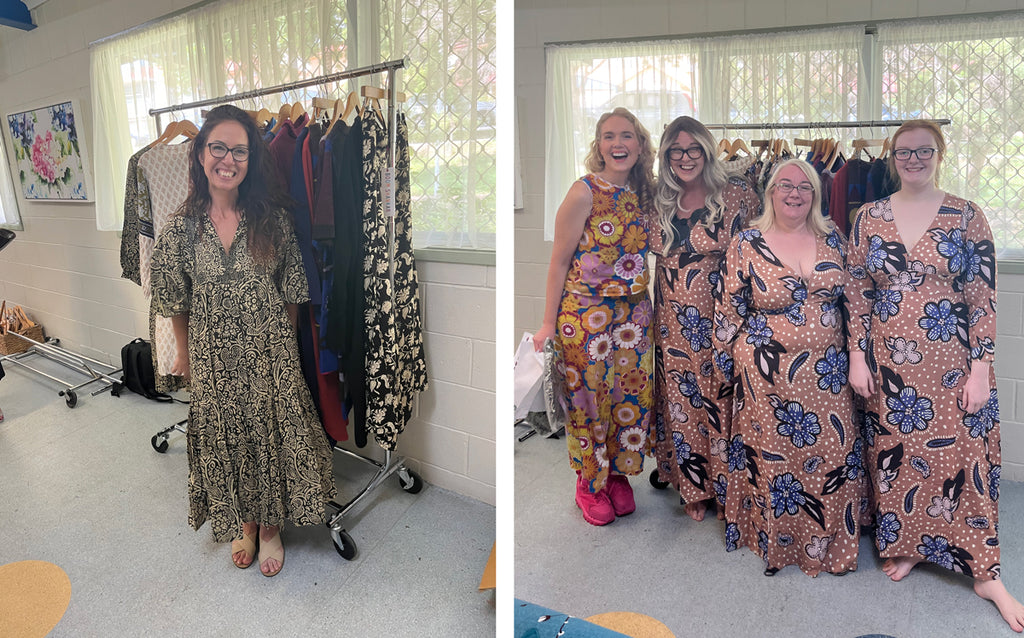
(923,321)
(796,471)
(227,271)
(699,210)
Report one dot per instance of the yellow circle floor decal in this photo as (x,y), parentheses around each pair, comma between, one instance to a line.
(632,624)
(34,595)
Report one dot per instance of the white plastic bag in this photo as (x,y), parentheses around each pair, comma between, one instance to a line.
(528,379)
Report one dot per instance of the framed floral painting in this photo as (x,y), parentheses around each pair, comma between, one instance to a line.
(49,154)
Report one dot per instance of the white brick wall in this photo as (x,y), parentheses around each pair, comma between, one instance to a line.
(67,274)
(609,19)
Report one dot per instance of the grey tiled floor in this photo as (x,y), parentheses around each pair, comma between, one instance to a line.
(657,561)
(84,489)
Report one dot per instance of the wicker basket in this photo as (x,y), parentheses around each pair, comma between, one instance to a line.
(11,344)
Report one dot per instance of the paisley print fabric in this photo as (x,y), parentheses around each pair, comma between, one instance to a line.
(256,448)
(922,314)
(694,407)
(602,339)
(794,460)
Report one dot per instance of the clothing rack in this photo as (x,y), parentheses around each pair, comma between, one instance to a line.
(807,125)
(410,481)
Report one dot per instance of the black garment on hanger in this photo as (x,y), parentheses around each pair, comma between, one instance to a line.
(345,316)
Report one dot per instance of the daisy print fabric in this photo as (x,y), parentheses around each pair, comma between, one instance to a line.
(602,339)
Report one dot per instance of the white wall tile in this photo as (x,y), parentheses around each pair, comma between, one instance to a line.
(449,358)
(687,17)
(726,15)
(467,312)
(483,369)
(802,12)
(975,6)
(1011,310)
(480,462)
(941,7)
(634,19)
(445,273)
(456,482)
(891,9)
(439,446)
(765,13)
(1008,400)
(459,408)
(1012,440)
(844,10)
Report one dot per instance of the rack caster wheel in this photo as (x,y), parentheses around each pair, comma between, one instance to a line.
(159,443)
(344,544)
(70,398)
(656,482)
(411,481)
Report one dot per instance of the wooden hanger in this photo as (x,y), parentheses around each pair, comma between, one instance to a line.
(738,145)
(863,145)
(282,115)
(174,129)
(296,112)
(885,149)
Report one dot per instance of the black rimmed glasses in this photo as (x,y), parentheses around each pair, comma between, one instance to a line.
(219,151)
(924,153)
(786,188)
(694,152)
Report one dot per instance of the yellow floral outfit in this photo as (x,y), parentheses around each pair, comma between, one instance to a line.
(603,342)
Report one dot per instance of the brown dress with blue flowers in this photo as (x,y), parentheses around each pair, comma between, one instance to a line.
(693,406)
(922,315)
(796,472)
(602,338)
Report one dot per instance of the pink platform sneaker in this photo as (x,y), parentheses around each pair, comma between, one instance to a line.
(620,494)
(597,508)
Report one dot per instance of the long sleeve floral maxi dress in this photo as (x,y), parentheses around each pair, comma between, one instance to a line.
(602,338)
(795,459)
(922,315)
(693,407)
(256,449)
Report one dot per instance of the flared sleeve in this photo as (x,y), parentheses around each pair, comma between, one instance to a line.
(290,276)
(171,270)
(860,287)
(978,279)
(731,310)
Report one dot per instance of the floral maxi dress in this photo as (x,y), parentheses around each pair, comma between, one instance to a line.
(796,475)
(256,449)
(602,339)
(694,409)
(922,315)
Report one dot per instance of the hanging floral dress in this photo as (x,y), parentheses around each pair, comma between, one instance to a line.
(795,463)
(922,314)
(693,407)
(602,338)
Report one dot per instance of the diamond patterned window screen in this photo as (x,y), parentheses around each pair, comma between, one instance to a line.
(238,45)
(796,76)
(449,82)
(972,73)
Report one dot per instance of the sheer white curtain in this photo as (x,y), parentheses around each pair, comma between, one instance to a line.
(970,71)
(808,75)
(9,216)
(228,47)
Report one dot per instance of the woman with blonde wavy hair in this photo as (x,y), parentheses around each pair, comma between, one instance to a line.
(699,210)
(598,313)
(795,459)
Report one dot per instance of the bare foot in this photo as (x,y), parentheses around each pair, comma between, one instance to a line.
(274,556)
(1011,610)
(241,557)
(696,510)
(721,514)
(898,568)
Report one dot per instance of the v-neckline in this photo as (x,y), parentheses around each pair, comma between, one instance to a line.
(931,223)
(226,250)
(787,266)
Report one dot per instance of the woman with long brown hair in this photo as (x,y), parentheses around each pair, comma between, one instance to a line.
(228,273)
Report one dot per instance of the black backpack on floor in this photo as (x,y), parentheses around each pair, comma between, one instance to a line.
(137,366)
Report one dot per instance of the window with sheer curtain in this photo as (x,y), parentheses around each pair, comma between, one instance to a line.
(967,70)
(971,72)
(9,217)
(239,45)
(795,76)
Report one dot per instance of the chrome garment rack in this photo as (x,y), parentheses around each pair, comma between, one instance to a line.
(807,125)
(96,371)
(393,464)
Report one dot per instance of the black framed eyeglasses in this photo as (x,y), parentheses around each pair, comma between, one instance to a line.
(924,153)
(787,188)
(694,152)
(218,150)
